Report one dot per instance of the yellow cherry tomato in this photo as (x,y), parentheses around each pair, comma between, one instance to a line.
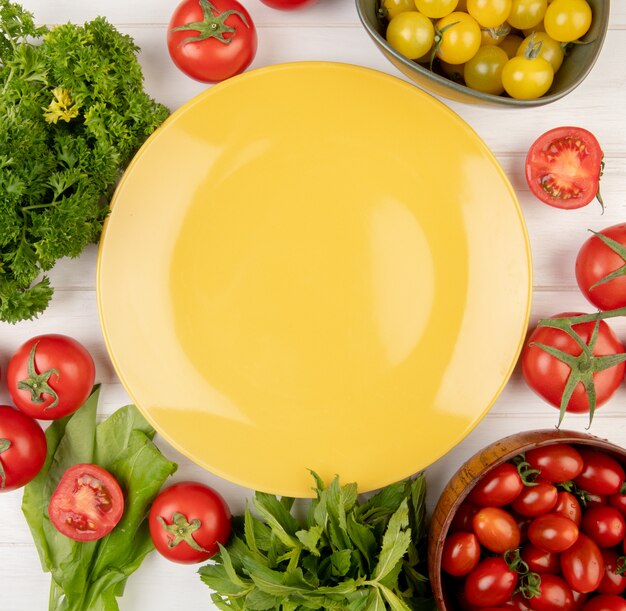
(526,78)
(494,36)
(436,8)
(391,8)
(411,34)
(459,38)
(484,71)
(550,50)
(489,13)
(527,13)
(567,20)
(511,44)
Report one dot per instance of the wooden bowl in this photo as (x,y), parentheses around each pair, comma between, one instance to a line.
(471,472)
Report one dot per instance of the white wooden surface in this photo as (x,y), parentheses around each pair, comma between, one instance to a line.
(331,31)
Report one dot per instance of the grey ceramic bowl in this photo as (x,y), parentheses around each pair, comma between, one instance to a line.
(578,62)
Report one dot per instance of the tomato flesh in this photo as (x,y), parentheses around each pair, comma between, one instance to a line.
(563,167)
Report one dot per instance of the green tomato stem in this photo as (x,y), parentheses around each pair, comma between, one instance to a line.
(213,25)
(37,383)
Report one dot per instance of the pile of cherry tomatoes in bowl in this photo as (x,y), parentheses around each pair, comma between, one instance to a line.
(542,532)
(511,47)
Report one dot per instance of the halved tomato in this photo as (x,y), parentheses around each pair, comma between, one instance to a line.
(87,504)
(563,167)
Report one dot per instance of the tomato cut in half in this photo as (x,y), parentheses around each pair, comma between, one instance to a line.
(87,504)
(563,167)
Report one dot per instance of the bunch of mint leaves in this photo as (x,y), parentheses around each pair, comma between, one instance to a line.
(348,555)
(74,112)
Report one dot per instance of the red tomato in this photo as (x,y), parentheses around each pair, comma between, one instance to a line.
(496,529)
(461,553)
(87,504)
(606,602)
(462,520)
(490,584)
(535,500)
(567,505)
(288,5)
(612,583)
(547,375)
(519,603)
(555,595)
(540,561)
(498,487)
(22,449)
(605,525)
(563,167)
(187,521)
(552,532)
(557,463)
(582,565)
(211,41)
(602,474)
(579,600)
(618,501)
(50,376)
(596,260)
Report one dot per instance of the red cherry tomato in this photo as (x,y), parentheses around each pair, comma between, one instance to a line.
(535,500)
(547,375)
(288,5)
(602,474)
(567,505)
(555,595)
(498,487)
(618,501)
(22,449)
(552,532)
(211,41)
(490,584)
(582,565)
(563,167)
(187,521)
(605,525)
(461,553)
(579,600)
(496,529)
(606,602)
(462,520)
(557,463)
(87,504)
(596,260)
(612,583)
(518,603)
(50,376)
(540,561)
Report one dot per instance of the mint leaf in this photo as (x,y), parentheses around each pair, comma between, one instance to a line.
(395,542)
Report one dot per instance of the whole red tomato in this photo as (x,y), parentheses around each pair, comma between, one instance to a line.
(579,600)
(612,582)
(606,602)
(87,504)
(498,487)
(187,521)
(461,553)
(605,525)
(211,41)
(50,376)
(490,584)
(555,595)
(288,5)
(601,475)
(557,463)
(552,532)
(619,502)
(537,499)
(568,506)
(582,565)
(22,449)
(540,561)
(601,268)
(547,375)
(496,529)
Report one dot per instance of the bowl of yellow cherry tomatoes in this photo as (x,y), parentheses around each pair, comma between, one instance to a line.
(519,53)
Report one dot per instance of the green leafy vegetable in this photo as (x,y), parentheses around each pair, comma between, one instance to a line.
(90,576)
(74,112)
(347,556)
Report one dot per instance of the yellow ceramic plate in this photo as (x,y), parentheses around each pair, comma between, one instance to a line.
(314,266)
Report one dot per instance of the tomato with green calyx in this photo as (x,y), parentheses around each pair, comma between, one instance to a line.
(602,474)
(527,13)
(496,529)
(494,36)
(390,8)
(435,9)
(489,13)
(22,449)
(490,584)
(457,38)
(411,34)
(483,72)
(461,554)
(550,49)
(601,268)
(567,20)
(614,581)
(211,42)
(87,504)
(527,76)
(574,361)
(556,463)
(563,167)
(50,376)
(582,565)
(188,521)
